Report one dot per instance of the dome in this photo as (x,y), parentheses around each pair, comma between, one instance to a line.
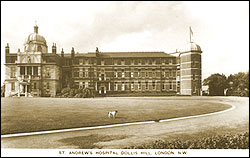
(194,47)
(35,37)
(191,46)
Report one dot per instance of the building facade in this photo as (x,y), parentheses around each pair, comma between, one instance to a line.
(35,72)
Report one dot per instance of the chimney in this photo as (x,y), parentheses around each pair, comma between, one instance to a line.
(7,49)
(54,48)
(72,53)
(62,53)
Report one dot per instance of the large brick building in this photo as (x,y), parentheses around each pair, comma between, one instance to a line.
(35,72)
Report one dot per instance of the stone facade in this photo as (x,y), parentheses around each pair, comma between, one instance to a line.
(35,72)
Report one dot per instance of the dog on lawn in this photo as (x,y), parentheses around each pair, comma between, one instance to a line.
(112,114)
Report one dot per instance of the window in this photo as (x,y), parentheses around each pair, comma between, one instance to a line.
(139,73)
(143,62)
(139,85)
(170,85)
(146,84)
(13,72)
(123,73)
(102,62)
(136,62)
(22,70)
(116,86)
(166,74)
(76,61)
(139,61)
(153,73)
(123,86)
(86,84)
(86,73)
(34,85)
(170,73)
(29,70)
(132,74)
(122,62)
(170,61)
(163,85)
(81,74)
(132,85)
(132,62)
(80,61)
(35,70)
(163,61)
(39,49)
(29,60)
(12,86)
(102,77)
(47,85)
(116,73)
(153,61)
(150,61)
(47,72)
(76,74)
(163,74)
(146,75)
(115,62)
(118,61)
(153,84)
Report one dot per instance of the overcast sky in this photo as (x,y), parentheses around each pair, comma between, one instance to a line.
(220,28)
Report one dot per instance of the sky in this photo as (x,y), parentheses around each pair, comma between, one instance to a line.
(221,28)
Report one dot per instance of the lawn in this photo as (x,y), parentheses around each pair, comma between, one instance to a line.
(20,115)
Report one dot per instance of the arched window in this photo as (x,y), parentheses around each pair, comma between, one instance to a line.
(39,49)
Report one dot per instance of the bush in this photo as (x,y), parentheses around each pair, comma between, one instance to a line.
(77,93)
(65,91)
(227,141)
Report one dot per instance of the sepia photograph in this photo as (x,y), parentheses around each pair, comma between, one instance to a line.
(124,78)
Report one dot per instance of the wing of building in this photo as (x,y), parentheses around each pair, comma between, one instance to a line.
(35,72)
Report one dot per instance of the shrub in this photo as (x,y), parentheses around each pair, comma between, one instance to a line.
(77,93)
(227,141)
(65,91)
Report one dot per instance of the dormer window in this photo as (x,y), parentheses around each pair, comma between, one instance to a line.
(29,60)
(39,49)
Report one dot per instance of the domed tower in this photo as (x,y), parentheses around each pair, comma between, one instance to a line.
(190,69)
(35,42)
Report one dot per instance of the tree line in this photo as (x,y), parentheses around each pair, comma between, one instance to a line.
(233,85)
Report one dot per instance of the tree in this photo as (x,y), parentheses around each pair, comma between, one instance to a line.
(217,84)
(239,84)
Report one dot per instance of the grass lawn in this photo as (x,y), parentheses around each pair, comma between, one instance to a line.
(20,115)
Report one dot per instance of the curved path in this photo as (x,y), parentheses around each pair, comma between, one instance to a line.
(140,132)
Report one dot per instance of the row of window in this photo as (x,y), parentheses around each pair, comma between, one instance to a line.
(26,70)
(124,61)
(13,87)
(139,85)
(130,74)
(132,85)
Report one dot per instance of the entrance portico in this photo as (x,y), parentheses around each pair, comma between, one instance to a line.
(23,87)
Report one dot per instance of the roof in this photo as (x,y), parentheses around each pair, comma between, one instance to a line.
(122,54)
(134,54)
